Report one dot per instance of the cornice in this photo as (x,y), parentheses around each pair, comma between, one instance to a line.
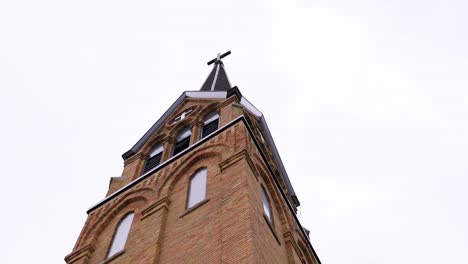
(162,203)
(243,154)
(138,156)
(83,252)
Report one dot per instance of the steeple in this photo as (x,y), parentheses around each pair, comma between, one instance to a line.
(217,80)
(205,184)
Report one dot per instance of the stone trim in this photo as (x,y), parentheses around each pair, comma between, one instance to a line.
(290,239)
(188,210)
(140,156)
(162,203)
(82,253)
(116,255)
(198,123)
(227,102)
(243,154)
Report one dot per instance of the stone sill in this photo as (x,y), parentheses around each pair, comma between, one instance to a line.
(188,210)
(116,255)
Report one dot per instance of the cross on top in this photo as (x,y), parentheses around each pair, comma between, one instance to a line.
(218,58)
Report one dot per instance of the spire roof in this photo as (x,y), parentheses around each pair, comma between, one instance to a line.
(217,79)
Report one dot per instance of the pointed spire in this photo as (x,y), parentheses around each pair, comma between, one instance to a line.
(217,80)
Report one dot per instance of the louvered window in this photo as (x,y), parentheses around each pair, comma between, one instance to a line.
(154,158)
(210,125)
(182,141)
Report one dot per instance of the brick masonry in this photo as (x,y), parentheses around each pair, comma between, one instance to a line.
(229,226)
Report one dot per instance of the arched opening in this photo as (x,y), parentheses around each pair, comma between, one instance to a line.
(197,188)
(266,206)
(154,158)
(210,124)
(121,235)
(182,141)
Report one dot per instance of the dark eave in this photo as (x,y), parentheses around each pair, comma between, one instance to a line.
(280,162)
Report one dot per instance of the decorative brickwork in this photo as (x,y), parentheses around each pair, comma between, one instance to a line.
(229,226)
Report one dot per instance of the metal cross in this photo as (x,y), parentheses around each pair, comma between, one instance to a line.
(218,58)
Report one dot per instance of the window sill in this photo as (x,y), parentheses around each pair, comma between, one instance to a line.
(116,255)
(188,210)
(272,228)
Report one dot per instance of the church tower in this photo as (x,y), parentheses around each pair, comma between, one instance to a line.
(205,184)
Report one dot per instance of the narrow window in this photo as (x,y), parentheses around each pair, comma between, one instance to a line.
(182,141)
(266,206)
(197,189)
(154,158)
(121,234)
(210,124)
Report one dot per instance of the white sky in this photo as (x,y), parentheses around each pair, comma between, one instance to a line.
(367,102)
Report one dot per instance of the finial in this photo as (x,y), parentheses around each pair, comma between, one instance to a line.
(218,58)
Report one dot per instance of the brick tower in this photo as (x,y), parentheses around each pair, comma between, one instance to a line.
(205,184)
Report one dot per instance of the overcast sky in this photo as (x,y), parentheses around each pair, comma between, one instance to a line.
(367,102)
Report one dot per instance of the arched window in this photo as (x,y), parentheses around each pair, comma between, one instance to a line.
(266,206)
(210,124)
(197,189)
(182,141)
(120,236)
(154,158)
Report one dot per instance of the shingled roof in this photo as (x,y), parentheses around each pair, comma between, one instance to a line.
(217,80)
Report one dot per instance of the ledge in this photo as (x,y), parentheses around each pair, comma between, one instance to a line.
(243,154)
(188,210)
(84,252)
(116,255)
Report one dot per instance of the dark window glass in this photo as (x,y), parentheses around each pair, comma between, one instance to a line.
(210,127)
(154,158)
(152,162)
(182,141)
(181,145)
